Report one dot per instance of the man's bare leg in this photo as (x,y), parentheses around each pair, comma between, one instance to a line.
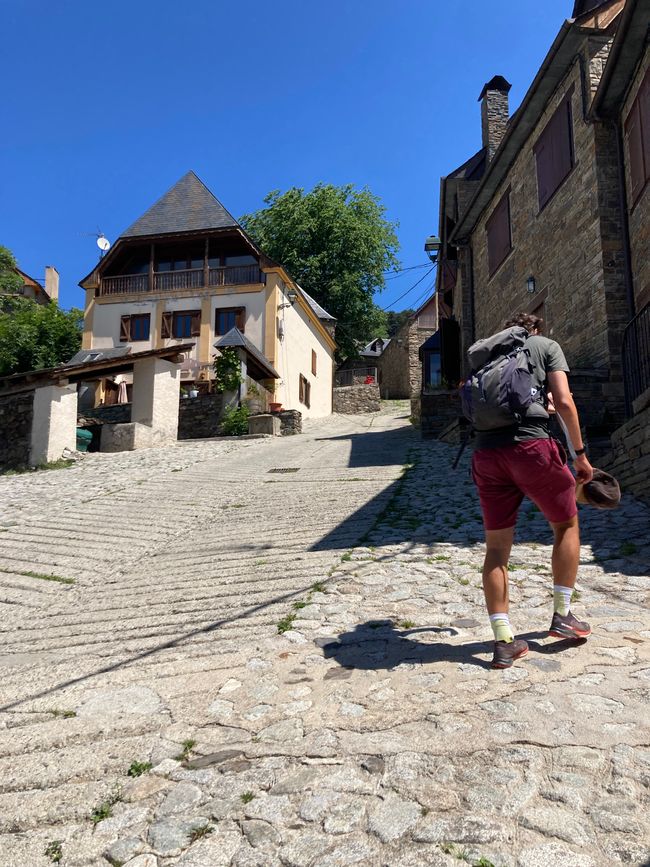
(565,562)
(495,569)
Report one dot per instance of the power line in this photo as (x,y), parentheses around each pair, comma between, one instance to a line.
(408,291)
(399,271)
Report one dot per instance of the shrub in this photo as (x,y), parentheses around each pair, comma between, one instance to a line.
(235,421)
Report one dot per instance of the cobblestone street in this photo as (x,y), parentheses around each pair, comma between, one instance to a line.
(275,652)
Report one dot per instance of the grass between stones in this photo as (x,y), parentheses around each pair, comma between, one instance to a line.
(63,714)
(200,832)
(43,577)
(54,851)
(187,745)
(105,809)
(61,464)
(246,797)
(136,769)
(285,624)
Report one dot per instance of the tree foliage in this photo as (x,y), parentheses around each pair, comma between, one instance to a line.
(394,321)
(227,370)
(337,244)
(34,336)
(10,281)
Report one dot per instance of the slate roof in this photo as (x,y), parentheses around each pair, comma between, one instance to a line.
(188,206)
(234,337)
(375,348)
(86,355)
(320,312)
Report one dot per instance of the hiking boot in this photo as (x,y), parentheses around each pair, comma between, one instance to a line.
(567,626)
(505,652)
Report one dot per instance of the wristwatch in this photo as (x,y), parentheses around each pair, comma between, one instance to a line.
(581,451)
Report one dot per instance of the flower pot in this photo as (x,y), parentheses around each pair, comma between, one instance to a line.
(275,407)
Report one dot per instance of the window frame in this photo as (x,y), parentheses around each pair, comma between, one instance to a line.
(240,319)
(195,323)
(639,122)
(496,256)
(126,327)
(304,390)
(552,142)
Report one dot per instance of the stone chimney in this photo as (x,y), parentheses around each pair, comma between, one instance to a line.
(52,282)
(494,113)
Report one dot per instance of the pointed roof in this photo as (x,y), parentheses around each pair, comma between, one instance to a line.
(258,362)
(188,206)
(315,306)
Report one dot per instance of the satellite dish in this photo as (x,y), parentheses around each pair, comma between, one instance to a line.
(103,243)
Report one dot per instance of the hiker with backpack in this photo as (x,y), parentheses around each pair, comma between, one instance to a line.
(515,374)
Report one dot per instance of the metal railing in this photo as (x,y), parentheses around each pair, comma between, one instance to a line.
(191,278)
(636,357)
(355,376)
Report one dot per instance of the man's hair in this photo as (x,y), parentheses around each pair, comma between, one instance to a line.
(525,320)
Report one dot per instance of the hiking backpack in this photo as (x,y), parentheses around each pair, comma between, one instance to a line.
(500,388)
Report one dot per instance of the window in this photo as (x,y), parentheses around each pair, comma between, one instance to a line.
(314,363)
(554,152)
(229,317)
(637,137)
(184,323)
(499,234)
(135,327)
(304,391)
(432,369)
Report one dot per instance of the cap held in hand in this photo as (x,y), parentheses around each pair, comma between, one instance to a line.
(602,492)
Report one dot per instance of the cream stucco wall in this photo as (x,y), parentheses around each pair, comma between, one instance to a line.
(54,427)
(294,358)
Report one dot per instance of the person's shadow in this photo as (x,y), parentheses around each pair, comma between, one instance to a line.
(379,644)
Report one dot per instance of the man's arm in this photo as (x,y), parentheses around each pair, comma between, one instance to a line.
(558,385)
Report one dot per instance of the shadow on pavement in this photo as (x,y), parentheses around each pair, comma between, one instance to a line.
(379,645)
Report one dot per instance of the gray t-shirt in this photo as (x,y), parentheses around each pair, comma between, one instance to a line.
(546,357)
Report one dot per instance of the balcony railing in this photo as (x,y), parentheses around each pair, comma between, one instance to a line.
(355,376)
(172,281)
(636,357)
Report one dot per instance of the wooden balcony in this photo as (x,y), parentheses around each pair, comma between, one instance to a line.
(173,281)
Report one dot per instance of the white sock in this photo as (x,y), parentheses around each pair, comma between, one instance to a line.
(500,624)
(562,599)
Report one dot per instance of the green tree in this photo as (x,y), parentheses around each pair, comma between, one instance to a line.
(10,281)
(34,336)
(394,321)
(337,243)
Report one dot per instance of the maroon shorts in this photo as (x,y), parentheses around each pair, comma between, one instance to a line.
(532,469)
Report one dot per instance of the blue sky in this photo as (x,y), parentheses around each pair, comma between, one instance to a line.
(107,104)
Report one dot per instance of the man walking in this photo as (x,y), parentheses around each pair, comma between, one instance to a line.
(522,460)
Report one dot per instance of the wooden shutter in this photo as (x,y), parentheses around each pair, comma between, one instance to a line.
(644,117)
(314,362)
(554,152)
(195,329)
(125,328)
(499,239)
(240,319)
(307,394)
(166,327)
(301,388)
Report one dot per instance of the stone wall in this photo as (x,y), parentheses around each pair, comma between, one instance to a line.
(394,367)
(356,399)
(629,458)
(573,247)
(437,411)
(290,422)
(639,216)
(198,417)
(16,415)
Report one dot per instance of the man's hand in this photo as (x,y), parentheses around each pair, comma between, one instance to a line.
(584,470)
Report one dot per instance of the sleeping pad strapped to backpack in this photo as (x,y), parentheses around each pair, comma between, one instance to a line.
(500,388)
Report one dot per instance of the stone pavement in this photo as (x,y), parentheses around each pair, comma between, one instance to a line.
(274,652)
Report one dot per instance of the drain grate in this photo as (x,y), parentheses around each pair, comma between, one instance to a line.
(284,470)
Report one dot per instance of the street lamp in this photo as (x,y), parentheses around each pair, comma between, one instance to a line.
(432,246)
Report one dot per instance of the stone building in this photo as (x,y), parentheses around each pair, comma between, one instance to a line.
(400,364)
(546,216)
(40,291)
(187,271)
